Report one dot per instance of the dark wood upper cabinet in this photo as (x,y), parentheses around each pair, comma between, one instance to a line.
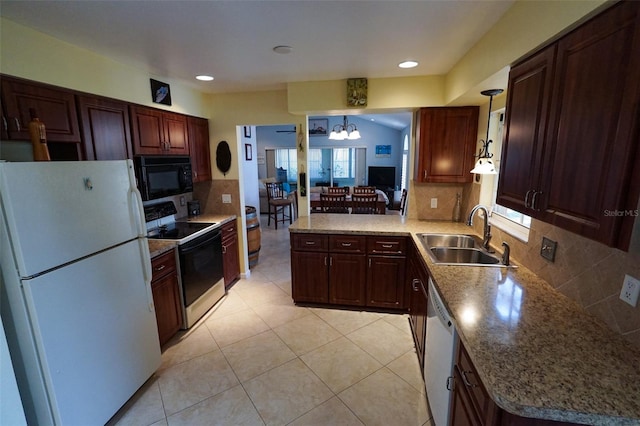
(105,126)
(574,167)
(528,97)
(199,148)
(55,107)
(157,132)
(446,144)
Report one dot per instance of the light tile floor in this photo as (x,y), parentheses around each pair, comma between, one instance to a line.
(257,359)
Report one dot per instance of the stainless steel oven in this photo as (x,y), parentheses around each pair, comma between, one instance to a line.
(200,255)
(201,273)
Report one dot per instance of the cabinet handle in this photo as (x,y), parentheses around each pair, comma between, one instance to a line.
(387,246)
(4,124)
(466,381)
(330,261)
(325,261)
(424,174)
(369,262)
(310,243)
(224,249)
(450,383)
(533,200)
(526,199)
(18,127)
(346,244)
(414,284)
(159,268)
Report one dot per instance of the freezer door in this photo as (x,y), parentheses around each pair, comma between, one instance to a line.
(57,212)
(95,333)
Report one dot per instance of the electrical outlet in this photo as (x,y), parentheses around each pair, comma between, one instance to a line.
(434,203)
(226,198)
(630,290)
(182,200)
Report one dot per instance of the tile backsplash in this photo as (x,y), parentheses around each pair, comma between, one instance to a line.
(588,272)
(209,194)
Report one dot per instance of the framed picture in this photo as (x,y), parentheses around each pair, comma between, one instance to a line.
(357,92)
(248,154)
(383,150)
(160,92)
(247,131)
(318,126)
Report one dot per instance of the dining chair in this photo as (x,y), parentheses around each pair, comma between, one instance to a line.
(277,203)
(364,190)
(334,203)
(337,190)
(364,203)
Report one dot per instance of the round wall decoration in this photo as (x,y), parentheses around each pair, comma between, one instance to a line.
(223,157)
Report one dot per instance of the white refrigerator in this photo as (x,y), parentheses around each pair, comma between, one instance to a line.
(76,299)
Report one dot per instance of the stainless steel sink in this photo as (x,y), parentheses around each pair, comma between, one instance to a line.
(450,240)
(463,256)
(458,249)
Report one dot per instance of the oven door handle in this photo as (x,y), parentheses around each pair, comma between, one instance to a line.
(188,247)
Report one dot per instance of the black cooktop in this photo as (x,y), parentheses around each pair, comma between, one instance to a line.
(176,230)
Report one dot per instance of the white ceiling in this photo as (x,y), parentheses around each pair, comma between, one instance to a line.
(233,40)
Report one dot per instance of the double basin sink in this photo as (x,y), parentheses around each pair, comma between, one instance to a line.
(458,249)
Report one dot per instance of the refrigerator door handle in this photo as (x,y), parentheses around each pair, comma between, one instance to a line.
(145,258)
(136,199)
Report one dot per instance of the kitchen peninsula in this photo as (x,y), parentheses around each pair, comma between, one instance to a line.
(539,355)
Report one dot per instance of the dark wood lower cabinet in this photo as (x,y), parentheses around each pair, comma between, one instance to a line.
(166,295)
(230,254)
(351,270)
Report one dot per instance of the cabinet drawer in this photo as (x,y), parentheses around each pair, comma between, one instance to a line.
(347,243)
(387,245)
(309,242)
(483,404)
(229,228)
(163,264)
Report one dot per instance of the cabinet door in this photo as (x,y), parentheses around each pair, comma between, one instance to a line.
(347,279)
(527,110)
(148,131)
(593,135)
(167,302)
(175,134)
(418,307)
(230,255)
(446,145)
(199,148)
(462,411)
(105,128)
(385,282)
(309,277)
(56,108)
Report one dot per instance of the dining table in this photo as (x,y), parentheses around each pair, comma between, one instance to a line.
(316,204)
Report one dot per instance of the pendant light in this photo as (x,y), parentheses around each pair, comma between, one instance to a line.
(344,131)
(484,165)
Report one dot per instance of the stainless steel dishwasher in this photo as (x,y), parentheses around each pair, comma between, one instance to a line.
(438,357)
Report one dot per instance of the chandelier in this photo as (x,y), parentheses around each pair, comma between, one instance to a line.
(344,131)
(484,165)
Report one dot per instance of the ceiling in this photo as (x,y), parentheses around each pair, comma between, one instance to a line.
(233,40)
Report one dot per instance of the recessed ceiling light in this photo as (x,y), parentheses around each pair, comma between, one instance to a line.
(408,64)
(283,49)
(204,77)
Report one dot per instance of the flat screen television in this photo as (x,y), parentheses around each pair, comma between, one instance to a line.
(382,177)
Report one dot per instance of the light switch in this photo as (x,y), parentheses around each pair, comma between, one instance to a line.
(226,198)
(434,203)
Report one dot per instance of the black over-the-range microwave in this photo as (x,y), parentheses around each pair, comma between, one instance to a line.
(161,176)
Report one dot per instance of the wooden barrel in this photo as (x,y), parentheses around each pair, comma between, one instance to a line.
(253,235)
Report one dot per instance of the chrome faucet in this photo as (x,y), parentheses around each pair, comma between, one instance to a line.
(505,254)
(486,237)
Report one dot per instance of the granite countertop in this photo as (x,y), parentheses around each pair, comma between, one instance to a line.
(158,247)
(538,353)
